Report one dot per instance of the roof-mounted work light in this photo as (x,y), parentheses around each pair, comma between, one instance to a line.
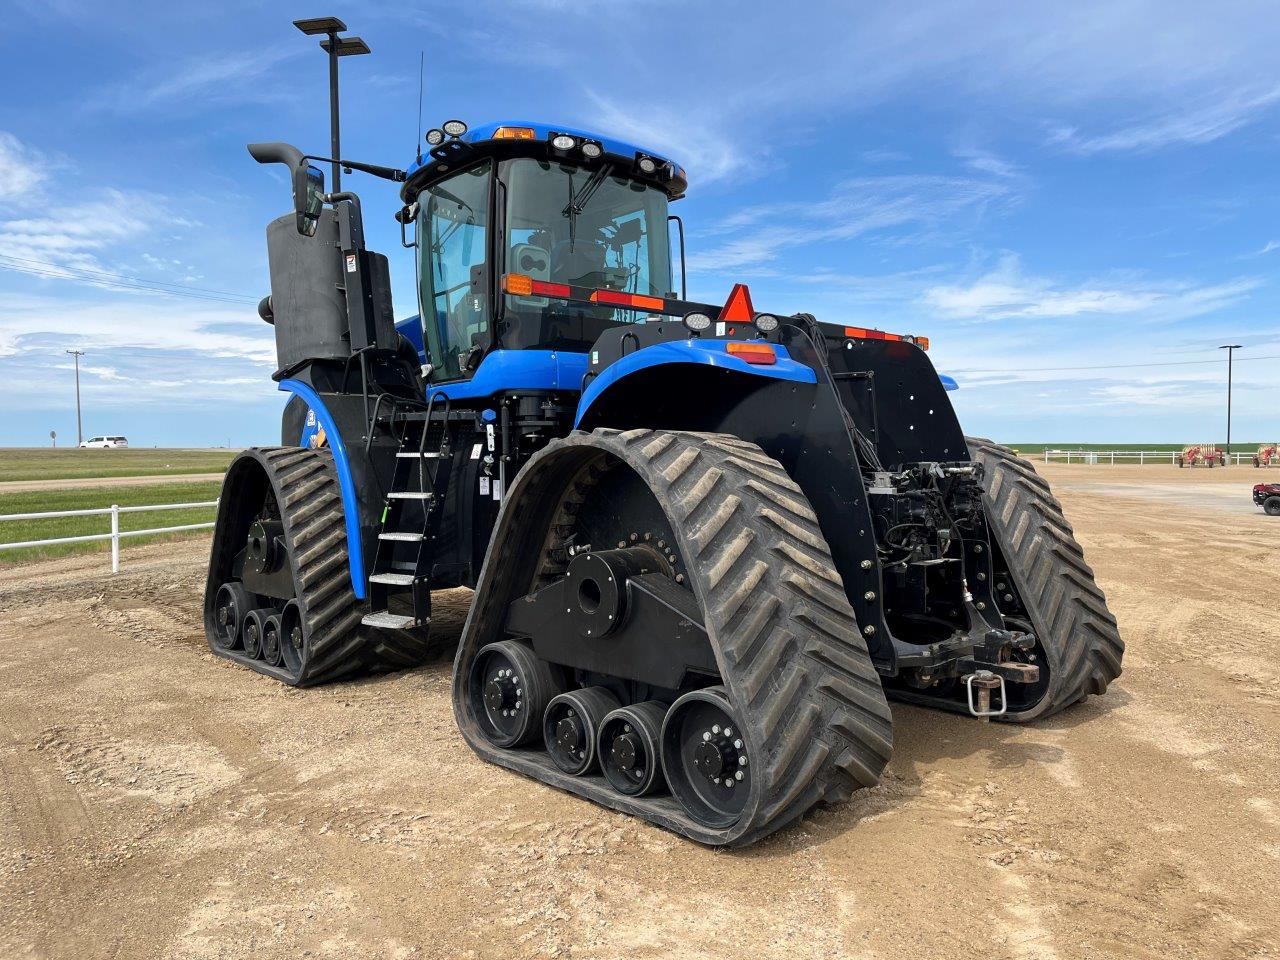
(454,128)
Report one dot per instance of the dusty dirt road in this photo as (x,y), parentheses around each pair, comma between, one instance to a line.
(158,802)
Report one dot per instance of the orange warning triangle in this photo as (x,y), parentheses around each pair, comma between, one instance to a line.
(737,309)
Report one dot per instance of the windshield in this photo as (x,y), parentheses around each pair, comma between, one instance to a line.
(587,228)
(453,224)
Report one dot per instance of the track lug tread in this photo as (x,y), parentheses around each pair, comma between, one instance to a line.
(338,645)
(787,641)
(1056,584)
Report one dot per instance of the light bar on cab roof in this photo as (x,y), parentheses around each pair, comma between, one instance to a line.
(514,133)
(862,333)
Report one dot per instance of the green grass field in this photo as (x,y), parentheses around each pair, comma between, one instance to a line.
(43,501)
(46,463)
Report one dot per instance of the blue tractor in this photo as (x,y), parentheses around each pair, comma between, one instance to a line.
(707,543)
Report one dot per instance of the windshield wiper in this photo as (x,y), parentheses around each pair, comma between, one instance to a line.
(578,201)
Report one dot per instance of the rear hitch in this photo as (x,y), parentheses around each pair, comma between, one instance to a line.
(985,681)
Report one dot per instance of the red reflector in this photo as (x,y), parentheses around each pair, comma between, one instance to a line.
(737,309)
(760,353)
(542,288)
(862,333)
(628,300)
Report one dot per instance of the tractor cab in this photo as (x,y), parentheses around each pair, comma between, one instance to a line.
(510,218)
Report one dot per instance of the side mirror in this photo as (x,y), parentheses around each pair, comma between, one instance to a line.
(308,196)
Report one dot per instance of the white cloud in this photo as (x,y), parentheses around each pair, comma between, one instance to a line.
(29,324)
(984,161)
(900,206)
(1217,118)
(214,78)
(1006,293)
(696,143)
(22,169)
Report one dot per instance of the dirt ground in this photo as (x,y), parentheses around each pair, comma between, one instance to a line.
(159,802)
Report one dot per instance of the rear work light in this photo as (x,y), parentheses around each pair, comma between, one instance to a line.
(760,353)
(514,133)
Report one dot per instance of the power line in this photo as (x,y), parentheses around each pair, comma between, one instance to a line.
(1113,366)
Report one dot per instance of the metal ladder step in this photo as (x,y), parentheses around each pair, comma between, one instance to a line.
(415,455)
(389,621)
(404,537)
(393,579)
(410,495)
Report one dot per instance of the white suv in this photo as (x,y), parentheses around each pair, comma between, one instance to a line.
(105,443)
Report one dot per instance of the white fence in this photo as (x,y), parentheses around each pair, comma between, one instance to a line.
(1130,456)
(116,533)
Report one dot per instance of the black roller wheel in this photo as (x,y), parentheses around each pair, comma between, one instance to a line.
(704,757)
(571,724)
(255,622)
(291,636)
(629,748)
(271,651)
(510,688)
(229,609)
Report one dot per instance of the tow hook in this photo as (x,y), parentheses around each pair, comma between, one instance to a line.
(985,681)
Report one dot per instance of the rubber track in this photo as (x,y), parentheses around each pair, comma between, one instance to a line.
(1068,609)
(336,645)
(816,720)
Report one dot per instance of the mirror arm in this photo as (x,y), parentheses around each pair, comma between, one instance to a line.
(405,215)
(386,173)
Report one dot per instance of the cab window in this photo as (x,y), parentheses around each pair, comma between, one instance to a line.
(453,229)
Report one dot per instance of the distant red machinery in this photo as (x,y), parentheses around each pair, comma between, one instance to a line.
(1268,455)
(1267,496)
(1202,455)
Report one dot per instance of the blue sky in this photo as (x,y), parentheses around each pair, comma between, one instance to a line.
(1076,202)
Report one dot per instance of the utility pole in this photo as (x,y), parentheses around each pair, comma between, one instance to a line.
(1231,349)
(336,47)
(79,433)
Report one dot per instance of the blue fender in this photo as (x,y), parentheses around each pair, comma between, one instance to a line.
(350,506)
(713,353)
(518,370)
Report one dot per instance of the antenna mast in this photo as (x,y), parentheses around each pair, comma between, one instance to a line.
(421,58)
